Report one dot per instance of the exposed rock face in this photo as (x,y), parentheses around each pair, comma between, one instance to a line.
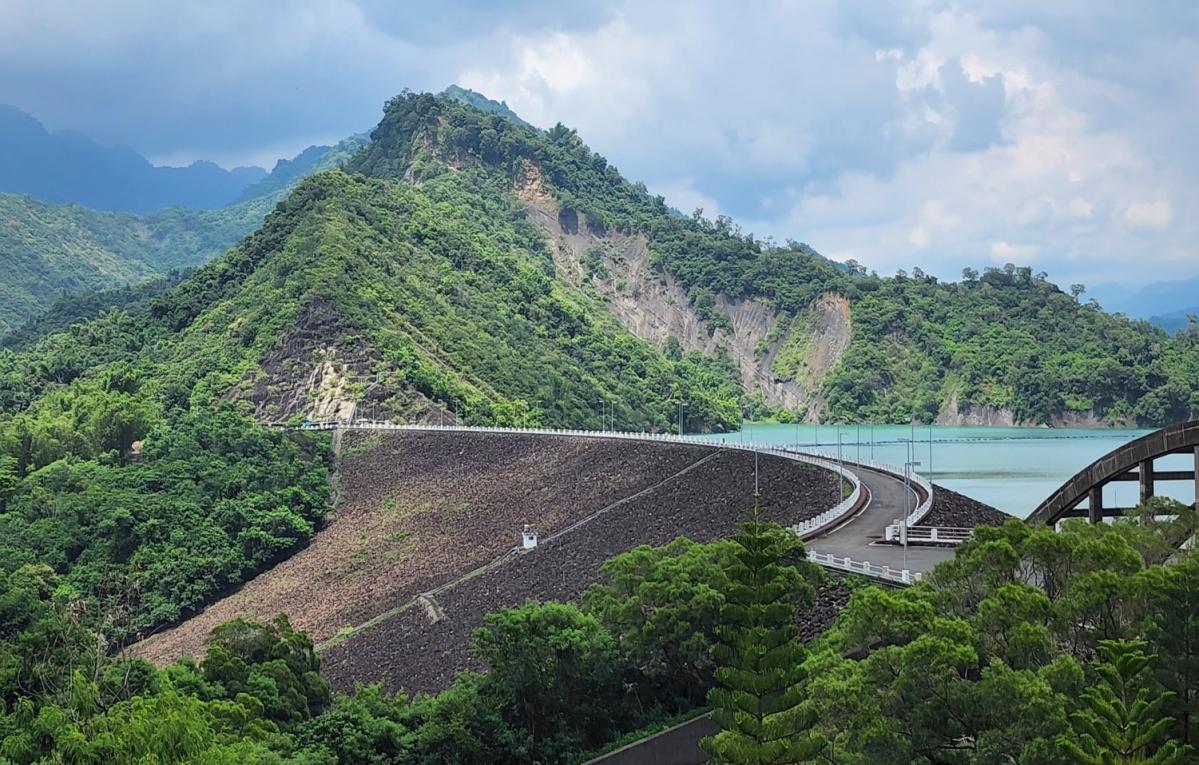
(953,413)
(822,335)
(654,306)
(324,371)
(830,331)
(973,414)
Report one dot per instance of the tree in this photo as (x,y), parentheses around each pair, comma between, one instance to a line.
(661,605)
(757,699)
(270,662)
(1173,632)
(1077,289)
(9,480)
(556,672)
(1121,720)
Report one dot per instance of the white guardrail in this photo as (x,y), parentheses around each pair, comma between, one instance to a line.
(866,568)
(806,529)
(951,535)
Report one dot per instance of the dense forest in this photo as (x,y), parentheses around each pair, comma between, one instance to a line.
(1030,646)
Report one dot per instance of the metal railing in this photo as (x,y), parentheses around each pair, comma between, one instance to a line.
(866,568)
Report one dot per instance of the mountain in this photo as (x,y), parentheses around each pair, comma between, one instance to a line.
(1175,320)
(472,264)
(48,250)
(483,104)
(1156,299)
(70,167)
(1003,346)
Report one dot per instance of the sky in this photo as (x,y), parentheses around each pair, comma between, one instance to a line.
(935,134)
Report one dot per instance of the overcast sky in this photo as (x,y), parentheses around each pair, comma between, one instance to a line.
(1056,134)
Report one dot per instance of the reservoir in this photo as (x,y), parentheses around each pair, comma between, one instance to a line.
(1012,469)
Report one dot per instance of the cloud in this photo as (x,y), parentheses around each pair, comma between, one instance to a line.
(931,133)
(1155,214)
(978,107)
(1003,252)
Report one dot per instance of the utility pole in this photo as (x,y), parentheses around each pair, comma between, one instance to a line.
(858,443)
(680,416)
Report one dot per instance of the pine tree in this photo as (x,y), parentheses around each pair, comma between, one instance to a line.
(1121,720)
(1173,633)
(758,694)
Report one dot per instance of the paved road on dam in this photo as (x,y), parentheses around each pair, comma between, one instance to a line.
(856,538)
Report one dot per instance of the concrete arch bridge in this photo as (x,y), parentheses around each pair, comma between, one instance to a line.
(1133,462)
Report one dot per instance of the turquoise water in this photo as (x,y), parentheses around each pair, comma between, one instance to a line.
(1010,468)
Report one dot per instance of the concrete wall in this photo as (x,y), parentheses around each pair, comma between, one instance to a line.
(674,746)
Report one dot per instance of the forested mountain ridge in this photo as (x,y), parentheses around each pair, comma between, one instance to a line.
(1003,346)
(483,103)
(49,249)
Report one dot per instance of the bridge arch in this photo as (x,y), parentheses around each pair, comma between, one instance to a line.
(1132,462)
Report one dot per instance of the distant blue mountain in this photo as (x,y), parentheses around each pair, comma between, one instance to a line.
(70,167)
(1160,299)
(1175,320)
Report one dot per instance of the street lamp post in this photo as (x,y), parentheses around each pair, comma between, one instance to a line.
(907,503)
(756,490)
(840,466)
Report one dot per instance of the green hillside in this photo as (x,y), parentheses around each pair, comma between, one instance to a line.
(48,250)
(1006,339)
(482,103)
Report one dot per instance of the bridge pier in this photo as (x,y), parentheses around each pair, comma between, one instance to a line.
(1197,477)
(1146,475)
(1095,504)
